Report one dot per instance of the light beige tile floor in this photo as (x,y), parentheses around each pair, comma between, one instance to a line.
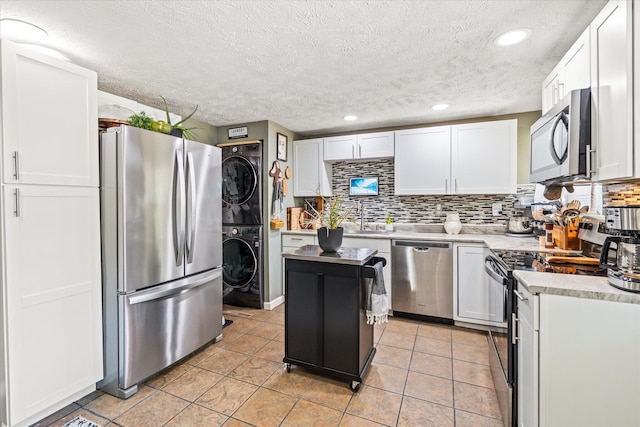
(423,374)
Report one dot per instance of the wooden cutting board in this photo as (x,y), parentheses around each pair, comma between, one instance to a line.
(581,260)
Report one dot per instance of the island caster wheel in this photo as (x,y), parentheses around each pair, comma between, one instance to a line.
(355,385)
(287,366)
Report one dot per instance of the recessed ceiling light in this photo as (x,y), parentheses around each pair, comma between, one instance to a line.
(21,31)
(45,50)
(439,107)
(512,37)
(350,118)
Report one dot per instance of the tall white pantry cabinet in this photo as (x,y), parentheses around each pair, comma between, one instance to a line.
(51,346)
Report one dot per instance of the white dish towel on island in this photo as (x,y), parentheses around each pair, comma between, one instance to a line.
(377,301)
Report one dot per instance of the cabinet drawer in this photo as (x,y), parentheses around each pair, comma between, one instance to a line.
(382,245)
(526,305)
(298,240)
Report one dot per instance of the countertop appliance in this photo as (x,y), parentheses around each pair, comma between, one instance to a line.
(561,141)
(161,251)
(422,279)
(499,266)
(624,272)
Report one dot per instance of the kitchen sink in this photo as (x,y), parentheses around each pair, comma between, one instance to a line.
(380,232)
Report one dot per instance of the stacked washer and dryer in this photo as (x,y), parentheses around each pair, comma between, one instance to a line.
(242,224)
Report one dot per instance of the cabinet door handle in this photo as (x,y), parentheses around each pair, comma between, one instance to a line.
(16,174)
(16,194)
(560,95)
(514,329)
(520,297)
(455,184)
(446,185)
(353,151)
(296,238)
(589,154)
(359,150)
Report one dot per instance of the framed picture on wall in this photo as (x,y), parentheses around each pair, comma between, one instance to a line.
(282,147)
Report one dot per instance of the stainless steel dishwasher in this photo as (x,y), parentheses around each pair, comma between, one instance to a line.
(422,278)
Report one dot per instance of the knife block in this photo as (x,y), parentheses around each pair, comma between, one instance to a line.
(566,237)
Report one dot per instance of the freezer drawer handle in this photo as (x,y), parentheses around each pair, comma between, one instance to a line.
(154,295)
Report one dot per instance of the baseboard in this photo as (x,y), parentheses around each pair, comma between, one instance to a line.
(270,305)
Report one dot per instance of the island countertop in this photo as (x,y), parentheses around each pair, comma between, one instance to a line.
(351,256)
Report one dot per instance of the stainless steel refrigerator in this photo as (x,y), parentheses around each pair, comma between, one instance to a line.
(161,206)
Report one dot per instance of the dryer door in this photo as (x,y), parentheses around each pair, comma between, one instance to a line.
(239,183)
(240,264)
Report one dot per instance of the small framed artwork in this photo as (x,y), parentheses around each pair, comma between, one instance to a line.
(282,147)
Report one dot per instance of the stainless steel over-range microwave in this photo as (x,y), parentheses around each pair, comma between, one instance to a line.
(561,141)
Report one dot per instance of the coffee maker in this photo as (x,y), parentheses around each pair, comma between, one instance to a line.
(624,222)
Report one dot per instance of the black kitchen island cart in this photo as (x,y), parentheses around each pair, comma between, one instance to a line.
(326,328)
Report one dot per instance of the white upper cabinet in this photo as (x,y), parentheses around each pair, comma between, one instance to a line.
(484,158)
(576,65)
(49,120)
(611,90)
(475,158)
(359,147)
(340,148)
(550,88)
(375,145)
(311,175)
(422,163)
(572,72)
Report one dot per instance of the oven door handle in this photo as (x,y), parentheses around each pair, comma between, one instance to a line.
(491,272)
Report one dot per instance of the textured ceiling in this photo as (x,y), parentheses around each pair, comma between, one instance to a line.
(305,64)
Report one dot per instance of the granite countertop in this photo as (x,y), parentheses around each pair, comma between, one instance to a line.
(498,242)
(350,256)
(573,285)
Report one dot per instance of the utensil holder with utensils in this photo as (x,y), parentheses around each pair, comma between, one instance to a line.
(566,237)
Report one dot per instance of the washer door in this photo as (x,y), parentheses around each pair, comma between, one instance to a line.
(239,180)
(240,263)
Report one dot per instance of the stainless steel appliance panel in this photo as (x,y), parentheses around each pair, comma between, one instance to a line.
(422,278)
(166,323)
(504,390)
(203,234)
(561,141)
(151,192)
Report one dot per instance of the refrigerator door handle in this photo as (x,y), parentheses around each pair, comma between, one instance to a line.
(176,288)
(191,207)
(178,208)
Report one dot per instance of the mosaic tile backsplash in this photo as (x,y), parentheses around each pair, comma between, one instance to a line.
(472,208)
(624,194)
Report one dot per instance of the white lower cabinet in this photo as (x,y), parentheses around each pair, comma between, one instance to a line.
(53,304)
(384,250)
(578,361)
(527,356)
(478,299)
